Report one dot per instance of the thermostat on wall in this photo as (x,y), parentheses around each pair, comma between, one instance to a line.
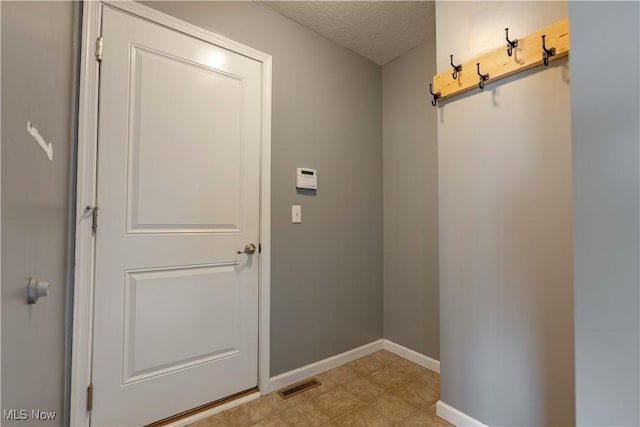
(307,178)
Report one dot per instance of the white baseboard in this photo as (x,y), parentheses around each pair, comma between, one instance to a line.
(216,410)
(321,366)
(455,417)
(413,356)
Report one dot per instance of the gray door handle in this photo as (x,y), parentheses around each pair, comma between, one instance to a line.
(36,289)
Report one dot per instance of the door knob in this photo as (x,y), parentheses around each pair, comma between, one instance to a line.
(36,289)
(249,249)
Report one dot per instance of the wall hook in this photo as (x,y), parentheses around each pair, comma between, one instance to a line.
(483,77)
(511,43)
(456,68)
(436,95)
(547,53)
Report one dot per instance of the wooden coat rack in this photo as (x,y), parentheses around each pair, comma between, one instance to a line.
(541,47)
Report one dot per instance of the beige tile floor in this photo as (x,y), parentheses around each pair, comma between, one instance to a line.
(381,389)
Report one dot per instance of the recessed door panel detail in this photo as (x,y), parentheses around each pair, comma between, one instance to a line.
(184,146)
(161,304)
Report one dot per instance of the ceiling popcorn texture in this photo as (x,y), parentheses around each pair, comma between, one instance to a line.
(377,30)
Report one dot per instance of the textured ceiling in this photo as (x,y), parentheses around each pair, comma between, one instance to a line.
(378,30)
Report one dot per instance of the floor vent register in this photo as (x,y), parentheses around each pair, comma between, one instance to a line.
(297,388)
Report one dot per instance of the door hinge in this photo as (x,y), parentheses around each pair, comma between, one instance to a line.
(90,397)
(94,218)
(99,43)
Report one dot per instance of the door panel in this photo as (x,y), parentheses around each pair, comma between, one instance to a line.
(176,308)
(154,338)
(200,131)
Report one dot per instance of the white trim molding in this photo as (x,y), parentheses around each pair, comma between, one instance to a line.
(81,345)
(413,356)
(86,194)
(264,333)
(324,365)
(456,417)
(0,207)
(299,374)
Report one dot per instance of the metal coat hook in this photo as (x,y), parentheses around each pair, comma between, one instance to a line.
(483,77)
(512,43)
(436,95)
(547,53)
(456,68)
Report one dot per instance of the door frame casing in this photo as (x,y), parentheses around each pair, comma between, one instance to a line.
(86,186)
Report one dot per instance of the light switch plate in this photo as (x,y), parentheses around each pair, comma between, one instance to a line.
(296,214)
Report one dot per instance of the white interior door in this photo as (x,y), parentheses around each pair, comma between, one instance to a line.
(176,308)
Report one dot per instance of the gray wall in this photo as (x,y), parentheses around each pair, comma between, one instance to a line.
(410,177)
(37,84)
(326,280)
(505,214)
(606,136)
